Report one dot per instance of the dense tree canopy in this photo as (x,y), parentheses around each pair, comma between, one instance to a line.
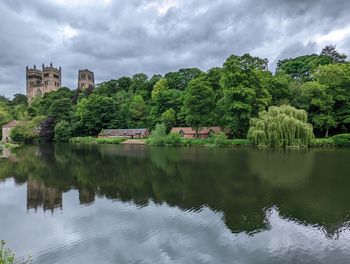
(228,96)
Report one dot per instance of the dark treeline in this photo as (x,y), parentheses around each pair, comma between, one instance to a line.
(227,96)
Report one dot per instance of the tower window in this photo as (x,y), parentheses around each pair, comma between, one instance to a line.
(46,75)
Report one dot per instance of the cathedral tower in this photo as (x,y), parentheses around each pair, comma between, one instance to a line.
(86,79)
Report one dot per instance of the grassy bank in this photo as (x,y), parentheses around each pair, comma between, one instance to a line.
(8,257)
(94,140)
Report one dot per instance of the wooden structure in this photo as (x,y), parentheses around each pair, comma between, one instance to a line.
(205,132)
(126,133)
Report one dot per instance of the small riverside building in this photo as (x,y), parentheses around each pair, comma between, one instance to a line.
(127,133)
(205,132)
(6,130)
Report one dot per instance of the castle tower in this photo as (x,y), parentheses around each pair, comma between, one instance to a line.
(86,79)
(33,82)
(39,82)
(51,78)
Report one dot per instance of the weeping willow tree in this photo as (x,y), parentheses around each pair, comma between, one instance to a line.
(281,126)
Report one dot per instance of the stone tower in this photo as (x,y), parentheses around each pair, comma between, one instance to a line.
(86,79)
(39,82)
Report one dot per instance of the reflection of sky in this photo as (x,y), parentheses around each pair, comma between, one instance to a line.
(116,232)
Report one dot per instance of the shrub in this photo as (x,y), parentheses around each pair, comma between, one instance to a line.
(322,142)
(63,131)
(219,140)
(173,139)
(158,136)
(342,140)
(6,256)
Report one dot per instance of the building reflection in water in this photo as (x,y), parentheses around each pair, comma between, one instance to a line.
(50,198)
(86,196)
(38,195)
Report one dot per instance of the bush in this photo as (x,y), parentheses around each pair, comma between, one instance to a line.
(219,140)
(322,142)
(158,136)
(63,131)
(173,139)
(342,140)
(23,133)
(6,256)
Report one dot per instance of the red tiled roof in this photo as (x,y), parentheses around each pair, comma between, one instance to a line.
(203,131)
(124,132)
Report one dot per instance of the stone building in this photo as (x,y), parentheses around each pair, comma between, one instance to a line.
(39,82)
(205,132)
(6,130)
(86,79)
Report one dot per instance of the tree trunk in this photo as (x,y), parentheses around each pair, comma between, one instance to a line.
(327,130)
(196,132)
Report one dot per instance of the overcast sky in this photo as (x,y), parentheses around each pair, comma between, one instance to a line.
(118,37)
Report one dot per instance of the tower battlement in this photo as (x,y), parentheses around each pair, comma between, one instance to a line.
(39,82)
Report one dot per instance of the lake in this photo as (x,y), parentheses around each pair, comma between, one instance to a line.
(91,204)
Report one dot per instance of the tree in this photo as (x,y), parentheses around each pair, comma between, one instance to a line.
(61,109)
(180,79)
(318,102)
(281,126)
(199,104)
(337,79)
(138,111)
(279,87)
(169,118)
(95,113)
(19,99)
(47,127)
(244,81)
(302,67)
(331,52)
(63,131)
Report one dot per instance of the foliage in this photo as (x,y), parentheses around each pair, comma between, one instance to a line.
(94,140)
(47,127)
(302,67)
(95,113)
(199,103)
(342,140)
(61,109)
(169,118)
(63,131)
(281,127)
(244,81)
(331,53)
(7,256)
(158,136)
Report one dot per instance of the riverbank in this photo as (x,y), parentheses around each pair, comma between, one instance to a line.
(95,140)
(5,150)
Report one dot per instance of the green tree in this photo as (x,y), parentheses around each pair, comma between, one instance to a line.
(95,113)
(180,79)
(279,87)
(199,103)
(19,99)
(337,79)
(281,126)
(302,67)
(169,118)
(317,101)
(63,131)
(138,111)
(61,109)
(244,81)
(331,52)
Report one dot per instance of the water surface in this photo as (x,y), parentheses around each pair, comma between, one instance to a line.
(137,204)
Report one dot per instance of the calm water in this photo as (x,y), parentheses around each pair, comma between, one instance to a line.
(136,204)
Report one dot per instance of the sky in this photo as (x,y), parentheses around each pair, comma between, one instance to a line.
(114,38)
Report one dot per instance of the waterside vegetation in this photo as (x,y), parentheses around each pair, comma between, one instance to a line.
(306,96)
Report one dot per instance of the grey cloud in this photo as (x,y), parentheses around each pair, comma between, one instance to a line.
(126,37)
